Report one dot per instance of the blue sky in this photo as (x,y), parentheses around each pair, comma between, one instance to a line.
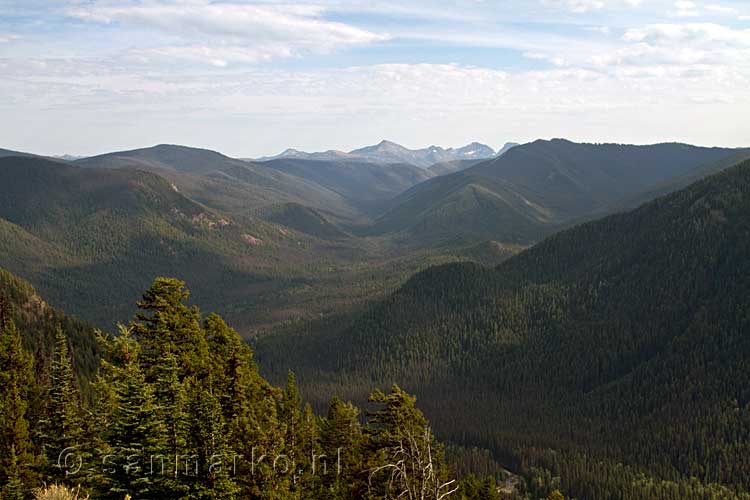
(251,78)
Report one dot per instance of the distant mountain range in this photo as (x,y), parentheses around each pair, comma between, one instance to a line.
(278,230)
(390,152)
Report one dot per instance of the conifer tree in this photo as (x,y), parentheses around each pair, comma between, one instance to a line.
(167,324)
(308,468)
(471,488)
(489,490)
(64,422)
(14,485)
(341,443)
(172,407)
(406,460)
(209,466)
(291,419)
(258,436)
(171,397)
(249,407)
(136,435)
(17,380)
(230,364)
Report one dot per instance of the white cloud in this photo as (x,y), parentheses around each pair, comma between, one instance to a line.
(695,33)
(577,6)
(604,30)
(584,6)
(686,8)
(681,47)
(8,38)
(721,9)
(219,56)
(556,60)
(143,84)
(218,33)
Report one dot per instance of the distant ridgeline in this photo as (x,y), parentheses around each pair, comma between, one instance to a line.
(615,355)
(275,242)
(178,410)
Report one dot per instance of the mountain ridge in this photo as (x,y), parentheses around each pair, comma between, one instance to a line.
(390,152)
(546,182)
(620,341)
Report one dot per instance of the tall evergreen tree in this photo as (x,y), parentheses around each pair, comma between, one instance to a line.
(209,468)
(172,407)
(406,460)
(291,418)
(230,364)
(308,470)
(258,436)
(14,488)
(64,421)
(341,443)
(136,435)
(17,380)
(167,324)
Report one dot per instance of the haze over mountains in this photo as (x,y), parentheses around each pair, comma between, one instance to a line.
(390,152)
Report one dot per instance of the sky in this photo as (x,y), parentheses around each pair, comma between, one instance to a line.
(252,78)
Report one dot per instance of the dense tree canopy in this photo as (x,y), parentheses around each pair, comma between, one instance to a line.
(613,356)
(180,411)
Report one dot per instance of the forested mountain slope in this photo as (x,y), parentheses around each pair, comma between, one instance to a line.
(303,219)
(90,239)
(163,156)
(678,182)
(367,186)
(39,321)
(178,388)
(532,189)
(624,340)
(225,183)
(449,167)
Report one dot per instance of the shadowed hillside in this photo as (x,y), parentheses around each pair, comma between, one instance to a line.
(531,190)
(621,340)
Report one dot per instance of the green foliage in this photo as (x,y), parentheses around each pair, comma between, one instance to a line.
(303,219)
(405,459)
(565,362)
(136,430)
(14,487)
(17,381)
(181,412)
(168,325)
(39,323)
(621,341)
(95,226)
(341,443)
(63,426)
